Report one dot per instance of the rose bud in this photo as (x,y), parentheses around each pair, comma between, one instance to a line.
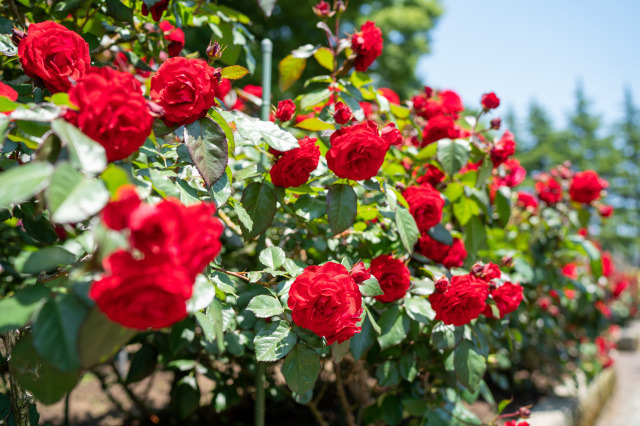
(605,210)
(17,36)
(342,113)
(506,262)
(428,91)
(490,101)
(495,123)
(442,284)
(286,110)
(359,273)
(214,51)
(323,10)
(524,412)
(391,134)
(340,6)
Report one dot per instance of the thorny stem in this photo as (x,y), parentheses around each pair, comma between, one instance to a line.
(20,399)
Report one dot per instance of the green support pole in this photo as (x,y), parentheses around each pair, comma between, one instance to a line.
(267,50)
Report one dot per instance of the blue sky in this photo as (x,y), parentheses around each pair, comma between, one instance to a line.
(540,49)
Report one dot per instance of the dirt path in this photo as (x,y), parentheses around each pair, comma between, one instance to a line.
(623,409)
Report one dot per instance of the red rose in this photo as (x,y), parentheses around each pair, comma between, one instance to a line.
(367,44)
(322,9)
(367,109)
(360,273)
(54,54)
(175,37)
(156,10)
(452,256)
(586,187)
(327,301)
(391,134)
(527,201)
(463,300)
(150,292)
(357,151)
(605,210)
(286,110)
(392,275)
(185,89)
(390,95)
(111,110)
(487,272)
(503,149)
(607,264)
(451,103)
(189,234)
(570,271)
(8,92)
(515,423)
(507,297)
(117,212)
(432,175)
(425,205)
(490,101)
(439,127)
(548,189)
(514,173)
(294,167)
(342,114)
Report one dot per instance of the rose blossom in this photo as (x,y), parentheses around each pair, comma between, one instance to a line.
(156,10)
(185,89)
(392,275)
(490,101)
(175,37)
(439,127)
(507,297)
(605,210)
(294,167)
(357,151)
(54,54)
(8,92)
(548,189)
(503,149)
(450,256)
(142,293)
(117,213)
(111,110)
(586,187)
(326,300)
(463,300)
(425,205)
(286,110)
(527,200)
(342,114)
(514,173)
(432,175)
(367,44)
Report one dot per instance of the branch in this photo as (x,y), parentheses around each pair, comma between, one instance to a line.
(20,399)
(16,14)
(343,396)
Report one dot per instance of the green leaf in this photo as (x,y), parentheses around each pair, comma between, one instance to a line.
(272,257)
(484,173)
(277,138)
(469,365)
(503,205)
(407,229)
(17,309)
(419,309)
(143,363)
(395,327)
(311,207)
(370,287)
(342,206)
(441,234)
(274,341)
(324,56)
(20,183)
(46,259)
(339,350)
(464,209)
(114,177)
(453,155)
(84,152)
(234,72)
(314,98)
(217,117)
(207,144)
(290,69)
(443,336)
(203,294)
(214,314)
(72,197)
(361,342)
(186,396)
(301,369)
(315,125)
(265,306)
(56,329)
(119,11)
(259,200)
(221,190)
(100,339)
(475,235)
(47,383)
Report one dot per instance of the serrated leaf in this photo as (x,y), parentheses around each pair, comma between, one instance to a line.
(314,98)
(370,287)
(259,200)
(20,183)
(324,56)
(84,152)
(265,306)
(272,257)
(407,229)
(453,154)
(234,72)
(311,207)
(119,11)
(274,341)
(301,369)
(207,144)
(290,69)
(395,327)
(315,125)
(342,206)
(17,309)
(469,365)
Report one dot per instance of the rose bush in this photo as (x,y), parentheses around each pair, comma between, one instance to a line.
(358,247)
